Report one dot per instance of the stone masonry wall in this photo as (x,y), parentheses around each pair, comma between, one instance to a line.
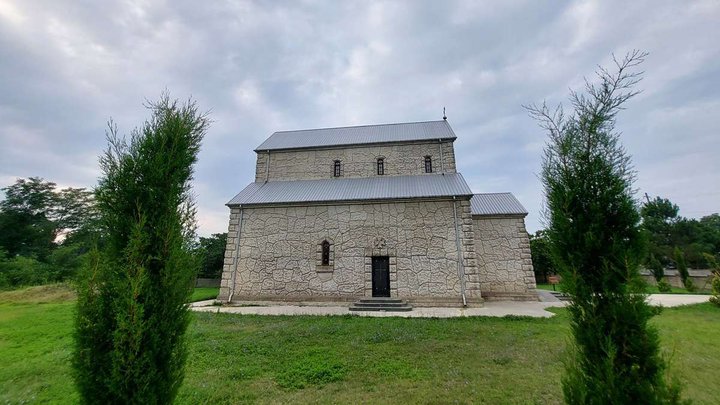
(279,252)
(361,161)
(504,262)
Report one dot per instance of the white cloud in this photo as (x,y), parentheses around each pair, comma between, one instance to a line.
(262,67)
(11,14)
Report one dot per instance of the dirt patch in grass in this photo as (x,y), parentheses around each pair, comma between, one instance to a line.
(64,292)
(42,294)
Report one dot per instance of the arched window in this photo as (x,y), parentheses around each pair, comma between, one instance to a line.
(428,164)
(336,169)
(325,253)
(380,166)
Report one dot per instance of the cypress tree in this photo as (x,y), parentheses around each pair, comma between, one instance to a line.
(597,245)
(683,270)
(657,269)
(132,312)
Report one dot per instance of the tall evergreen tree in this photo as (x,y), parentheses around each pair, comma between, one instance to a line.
(596,244)
(683,269)
(657,269)
(132,312)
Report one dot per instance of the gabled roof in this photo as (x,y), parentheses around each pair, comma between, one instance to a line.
(355,189)
(496,204)
(366,134)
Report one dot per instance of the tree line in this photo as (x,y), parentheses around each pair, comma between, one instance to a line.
(46,234)
(672,241)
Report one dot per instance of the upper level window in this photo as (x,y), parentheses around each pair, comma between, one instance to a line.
(428,164)
(380,166)
(325,253)
(336,169)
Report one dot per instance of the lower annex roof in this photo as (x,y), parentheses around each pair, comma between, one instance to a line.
(496,204)
(353,189)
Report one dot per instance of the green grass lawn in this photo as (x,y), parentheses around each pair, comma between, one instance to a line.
(675,290)
(240,358)
(548,287)
(204,293)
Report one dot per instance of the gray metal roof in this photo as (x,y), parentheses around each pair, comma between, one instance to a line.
(496,204)
(366,134)
(342,189)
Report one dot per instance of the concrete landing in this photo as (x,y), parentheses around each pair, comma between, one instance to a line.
(492,308)
(499,308)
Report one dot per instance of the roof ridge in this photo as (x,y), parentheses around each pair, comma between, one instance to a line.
(358,126)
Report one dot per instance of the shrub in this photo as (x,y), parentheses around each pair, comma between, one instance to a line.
(715,298)
(23,271)
(664,286)
(65,262)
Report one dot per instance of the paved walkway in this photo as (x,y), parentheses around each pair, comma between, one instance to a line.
(535,309)
(676,300)
(666,300)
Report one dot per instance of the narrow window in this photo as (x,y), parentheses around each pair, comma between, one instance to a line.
(428,164)
(381,166)
(325,253)
(336,169)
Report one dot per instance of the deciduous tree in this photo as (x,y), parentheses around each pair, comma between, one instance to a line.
(26,226)
(540,253)
(211,252)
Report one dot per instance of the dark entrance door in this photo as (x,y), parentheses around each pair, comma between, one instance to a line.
(380,276)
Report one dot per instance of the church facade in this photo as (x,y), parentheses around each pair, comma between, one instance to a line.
(339,214)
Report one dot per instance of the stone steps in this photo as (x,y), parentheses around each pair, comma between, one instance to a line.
(381,304)
(560,295)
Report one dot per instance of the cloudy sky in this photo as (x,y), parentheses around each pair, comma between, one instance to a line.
(66,67)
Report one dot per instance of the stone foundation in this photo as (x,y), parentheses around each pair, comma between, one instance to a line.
(309,300)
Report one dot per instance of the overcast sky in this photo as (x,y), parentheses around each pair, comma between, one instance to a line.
(66,67)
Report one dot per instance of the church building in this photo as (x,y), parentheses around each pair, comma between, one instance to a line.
(340,214)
